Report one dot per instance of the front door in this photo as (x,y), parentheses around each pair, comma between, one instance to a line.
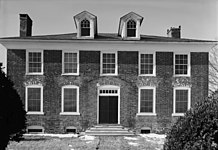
(108,109)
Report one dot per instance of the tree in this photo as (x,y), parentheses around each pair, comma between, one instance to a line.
(12,113)
(198,129)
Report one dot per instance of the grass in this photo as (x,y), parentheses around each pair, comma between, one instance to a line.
(100,143)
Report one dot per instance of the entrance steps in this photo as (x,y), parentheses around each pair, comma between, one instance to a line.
(109,129)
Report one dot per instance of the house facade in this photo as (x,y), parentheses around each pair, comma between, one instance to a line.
(87,78)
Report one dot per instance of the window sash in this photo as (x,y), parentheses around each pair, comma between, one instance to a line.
(181,101)
(181,64)
(34,62)
(146,64)
(146,100)
(70,62)
(34,99)
(108,63)
(70,100)
(85,28)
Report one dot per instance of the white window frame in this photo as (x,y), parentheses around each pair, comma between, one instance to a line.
(62,100)
(116,64)
(174,100)
(135,28)
(27,62)
(174,65)
(154,64)
(41,98)
(154,101)
(70,51)
(80,23)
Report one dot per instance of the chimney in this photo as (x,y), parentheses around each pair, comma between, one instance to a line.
(25,25)
(174,32)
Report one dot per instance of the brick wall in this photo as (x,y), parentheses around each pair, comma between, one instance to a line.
(89,78)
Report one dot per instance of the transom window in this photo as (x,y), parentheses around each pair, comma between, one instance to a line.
(146,64)
(34,96)
(70,63)
(181,100)
(108,91)
(131,28)
(34,62)
(147,100)
(181,64)
(109,63)
(85,27)
(70,100)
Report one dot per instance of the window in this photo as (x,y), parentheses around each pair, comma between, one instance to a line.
(85,27)
(109,64)
(181,64)
(34,99)
(70,63)
(34,62)
(70,100)
(147,101)
(147,66)
(131,28)
(181,100)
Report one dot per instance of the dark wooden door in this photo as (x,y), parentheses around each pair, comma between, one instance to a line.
(108,109)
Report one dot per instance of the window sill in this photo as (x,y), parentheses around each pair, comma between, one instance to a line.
(146,114)
(70,74)
(34,73)
(181,75)
(108,74)
(177,114)
(147,75)
(35,113)
(70,113)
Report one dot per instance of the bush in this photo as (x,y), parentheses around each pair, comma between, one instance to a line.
(12,113)
(197,130)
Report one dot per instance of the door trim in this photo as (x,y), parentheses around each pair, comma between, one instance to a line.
(106,93)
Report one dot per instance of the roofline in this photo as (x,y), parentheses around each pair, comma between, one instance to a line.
(102,41)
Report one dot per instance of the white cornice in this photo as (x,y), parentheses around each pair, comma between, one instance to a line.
(107,45)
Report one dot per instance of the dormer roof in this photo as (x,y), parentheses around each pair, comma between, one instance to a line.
(86,15)
(127,17)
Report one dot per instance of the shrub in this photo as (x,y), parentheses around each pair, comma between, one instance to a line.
(197,130)
(12,114)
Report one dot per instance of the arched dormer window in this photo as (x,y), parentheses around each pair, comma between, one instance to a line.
(131,28)
(85,27)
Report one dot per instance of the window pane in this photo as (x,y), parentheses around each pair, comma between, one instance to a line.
(34,99)
(70,62)
(146,64)
(181,101)
(181,64)
(35,63)
(85,28)
(109,63)
(146,99)
(70,100)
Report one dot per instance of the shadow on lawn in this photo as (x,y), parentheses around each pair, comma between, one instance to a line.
(34,139)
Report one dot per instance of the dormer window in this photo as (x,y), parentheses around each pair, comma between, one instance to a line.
(131,28)
(85,27)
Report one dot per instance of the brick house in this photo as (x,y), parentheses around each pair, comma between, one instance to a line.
(87,78)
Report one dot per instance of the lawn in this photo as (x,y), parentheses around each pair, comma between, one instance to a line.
(140,142)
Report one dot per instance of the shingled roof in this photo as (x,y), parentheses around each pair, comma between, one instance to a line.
(105,37)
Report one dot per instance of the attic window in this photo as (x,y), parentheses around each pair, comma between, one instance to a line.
(131,28)
(85,27)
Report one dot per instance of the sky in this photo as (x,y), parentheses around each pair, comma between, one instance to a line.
(198,18)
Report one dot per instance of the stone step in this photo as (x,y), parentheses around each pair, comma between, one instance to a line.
(120,133)
(108,129)
(109,126)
